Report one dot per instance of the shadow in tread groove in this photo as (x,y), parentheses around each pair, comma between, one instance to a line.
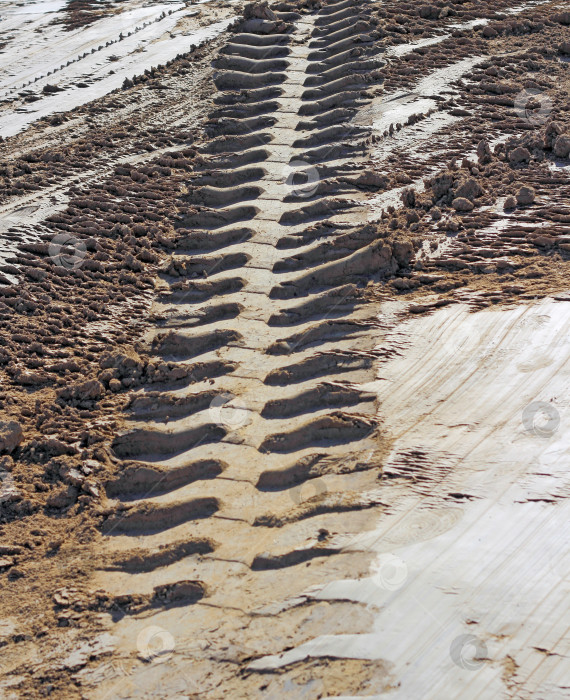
(143,481)
(143,561)
(176,345)
(319,333)
(153,442)
(147,518)
(202,317)
(314,466)
(196,292)
(321,364)
(321,397)
(335,429)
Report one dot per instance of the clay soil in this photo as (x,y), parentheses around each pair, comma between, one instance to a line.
(186,426)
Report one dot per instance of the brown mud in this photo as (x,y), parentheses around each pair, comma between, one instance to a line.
(187,430)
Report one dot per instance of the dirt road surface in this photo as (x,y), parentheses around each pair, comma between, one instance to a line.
(284,350)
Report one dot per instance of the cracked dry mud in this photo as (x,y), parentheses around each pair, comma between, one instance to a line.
(292,423)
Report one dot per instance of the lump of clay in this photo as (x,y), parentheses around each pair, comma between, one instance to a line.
(484,152)
(561,146)
(468,189)
(519,155)
(51,89)
(11,435)
(525,195)
(403,251)
(462,204)
(441,184)
(408,197)
(259,19)
(551,133)
(428,12)
(90,390)
(562,17)
(258,10)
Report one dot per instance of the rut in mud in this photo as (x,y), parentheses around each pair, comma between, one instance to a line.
(286,408)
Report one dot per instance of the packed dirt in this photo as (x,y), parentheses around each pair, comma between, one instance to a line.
(283,350)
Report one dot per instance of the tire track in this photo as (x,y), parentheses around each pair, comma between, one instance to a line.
(281,246)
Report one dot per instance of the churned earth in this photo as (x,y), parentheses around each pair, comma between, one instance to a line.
(284,358)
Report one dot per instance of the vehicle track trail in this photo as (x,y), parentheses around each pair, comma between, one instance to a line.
(277,383)
(223,471)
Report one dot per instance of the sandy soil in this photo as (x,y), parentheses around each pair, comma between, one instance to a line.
(283,352)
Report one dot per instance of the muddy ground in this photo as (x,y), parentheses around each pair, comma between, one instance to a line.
(205,274)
